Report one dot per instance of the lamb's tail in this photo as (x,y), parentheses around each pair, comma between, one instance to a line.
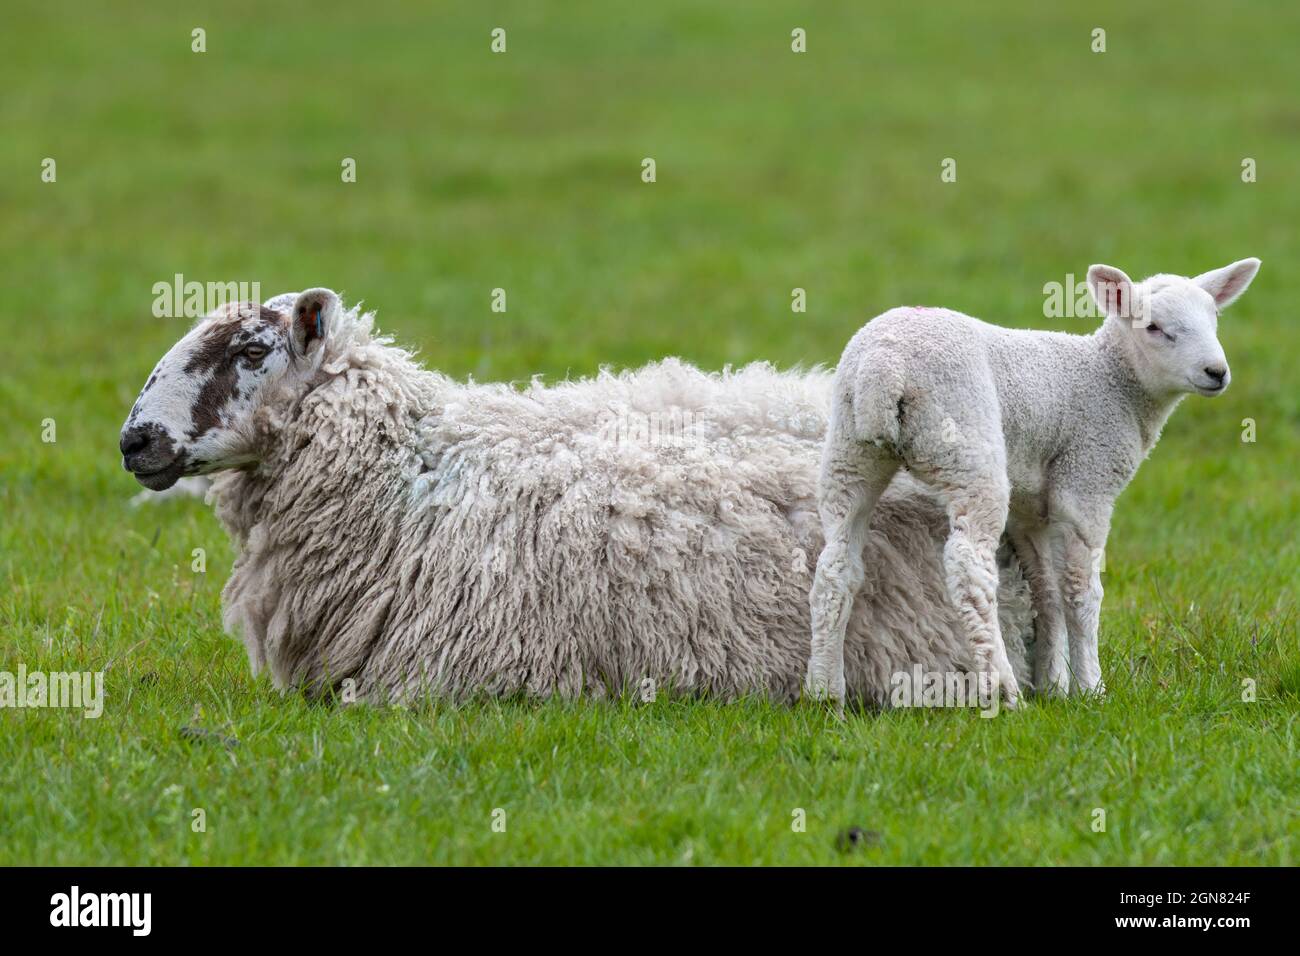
(875,385)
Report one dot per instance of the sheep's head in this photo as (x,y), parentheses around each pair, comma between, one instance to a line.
(196,412)
(1171,324)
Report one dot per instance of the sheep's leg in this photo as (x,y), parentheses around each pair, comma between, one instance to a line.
(854,476)
(1081,584)
(976,517)
(1051,640)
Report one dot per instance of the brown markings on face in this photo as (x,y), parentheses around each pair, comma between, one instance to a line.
(213,355)
(270,316)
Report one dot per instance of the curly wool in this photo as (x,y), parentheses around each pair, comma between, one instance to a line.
(422,536)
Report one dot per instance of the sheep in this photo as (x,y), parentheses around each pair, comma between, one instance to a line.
(1028,433)
(198,485)
(402,535)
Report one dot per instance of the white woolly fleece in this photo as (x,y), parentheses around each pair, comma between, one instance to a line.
(1030,437)
(425,536)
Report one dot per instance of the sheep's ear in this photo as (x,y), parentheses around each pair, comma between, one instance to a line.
(1226,284)
(315,314)
(1112,290)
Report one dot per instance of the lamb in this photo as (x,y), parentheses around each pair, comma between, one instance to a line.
(1034,434)
(403,535)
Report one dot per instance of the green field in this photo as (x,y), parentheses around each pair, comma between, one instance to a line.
(522,171)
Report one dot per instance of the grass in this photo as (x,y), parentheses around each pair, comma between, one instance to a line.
(521,171)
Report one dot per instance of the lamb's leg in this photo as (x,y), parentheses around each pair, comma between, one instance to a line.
(854,476)
(976,517)
(1051,641)
(1081,584)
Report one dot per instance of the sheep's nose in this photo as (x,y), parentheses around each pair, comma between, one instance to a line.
(134,441)
(1216,372)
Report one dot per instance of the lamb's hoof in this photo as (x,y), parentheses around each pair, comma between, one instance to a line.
(995,696)
(1052,687)
(817,687)
(835,707)
(1011,695)
(829,692)
(1009,692)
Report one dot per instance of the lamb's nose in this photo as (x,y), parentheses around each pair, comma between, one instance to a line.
(1216,372)
(134,440)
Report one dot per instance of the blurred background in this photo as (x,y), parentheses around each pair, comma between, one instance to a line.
(522,171)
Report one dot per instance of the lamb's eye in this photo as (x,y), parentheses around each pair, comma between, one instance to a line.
(255,351)
(1156,331)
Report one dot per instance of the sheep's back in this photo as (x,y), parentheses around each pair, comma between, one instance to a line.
(583,538)
(652,525)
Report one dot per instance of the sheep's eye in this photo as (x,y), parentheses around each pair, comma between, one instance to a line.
(1156,330)
(255,351)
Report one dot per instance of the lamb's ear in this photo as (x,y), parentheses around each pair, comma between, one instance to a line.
(1112,290)
(315,314)
(1226,284)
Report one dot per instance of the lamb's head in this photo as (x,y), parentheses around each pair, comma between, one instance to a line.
(196,413)
(1170,324)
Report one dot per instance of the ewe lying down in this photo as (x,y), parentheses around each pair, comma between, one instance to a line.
(419,535)
(1031,434)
